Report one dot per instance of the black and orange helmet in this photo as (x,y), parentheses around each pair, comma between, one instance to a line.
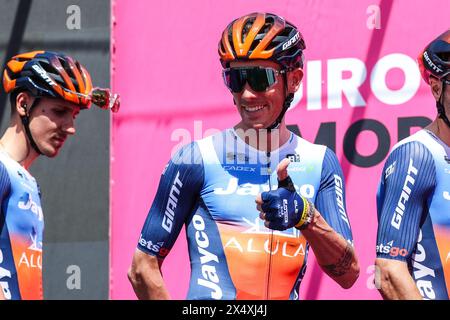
(48,74)
(262,36)
(434,60)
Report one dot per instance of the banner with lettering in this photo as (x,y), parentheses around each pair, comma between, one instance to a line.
(362,92)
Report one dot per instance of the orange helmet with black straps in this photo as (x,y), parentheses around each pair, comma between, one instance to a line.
(434,60)
(48,74)
(262,36)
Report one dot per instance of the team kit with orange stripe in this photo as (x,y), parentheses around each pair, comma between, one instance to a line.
(22,226)
(210,186)
(47,89)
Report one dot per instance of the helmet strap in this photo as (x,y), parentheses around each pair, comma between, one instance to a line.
(26,124)
(286,104)
(440,106)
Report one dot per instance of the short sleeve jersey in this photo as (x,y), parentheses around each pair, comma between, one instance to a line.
(413,203)
(210,186)
(21,230)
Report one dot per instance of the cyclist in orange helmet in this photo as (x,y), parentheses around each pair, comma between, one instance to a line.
(47,90)
(239,250)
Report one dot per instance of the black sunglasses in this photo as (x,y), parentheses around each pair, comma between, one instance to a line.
(259,78)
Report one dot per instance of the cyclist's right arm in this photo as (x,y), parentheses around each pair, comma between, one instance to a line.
(409,178)
(5,185)
(176,198)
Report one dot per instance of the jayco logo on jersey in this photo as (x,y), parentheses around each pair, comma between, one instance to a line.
(249,189)
(26,203)
(169,214)
(4,273)
(404,197)
(423,275)
(210,278)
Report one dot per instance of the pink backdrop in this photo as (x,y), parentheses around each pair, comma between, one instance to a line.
(165,66)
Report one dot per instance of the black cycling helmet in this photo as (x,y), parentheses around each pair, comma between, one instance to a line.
(434,61)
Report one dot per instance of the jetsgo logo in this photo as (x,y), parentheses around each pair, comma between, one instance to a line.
(169,214)
(422,272)
(210,278)
(391,250)
(150,245)
(44,75)
(291,41)
(404,197)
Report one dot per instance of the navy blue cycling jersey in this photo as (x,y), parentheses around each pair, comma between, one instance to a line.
(211,185)
(414,211)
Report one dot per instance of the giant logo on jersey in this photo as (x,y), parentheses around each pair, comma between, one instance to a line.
(404,196)
(172,202)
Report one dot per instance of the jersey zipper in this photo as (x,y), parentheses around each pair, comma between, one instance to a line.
(269,271)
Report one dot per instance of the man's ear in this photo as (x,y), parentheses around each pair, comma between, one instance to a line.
(23,103)
(436,87)
(294,78)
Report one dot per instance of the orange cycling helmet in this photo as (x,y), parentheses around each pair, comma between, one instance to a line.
(48,74)
(53,75)
(434,61)
(263,36)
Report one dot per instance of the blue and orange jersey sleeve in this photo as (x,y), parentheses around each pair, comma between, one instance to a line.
(408,178)
(176,198)
(5,186)
(330,201)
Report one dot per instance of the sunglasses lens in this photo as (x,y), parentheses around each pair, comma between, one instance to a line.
(234,79)
(258,78)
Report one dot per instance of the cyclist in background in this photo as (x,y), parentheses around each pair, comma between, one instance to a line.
(47,90)
(413,245)
(211,186)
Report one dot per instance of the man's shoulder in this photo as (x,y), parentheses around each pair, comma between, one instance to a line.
(302,142)
(418,146)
